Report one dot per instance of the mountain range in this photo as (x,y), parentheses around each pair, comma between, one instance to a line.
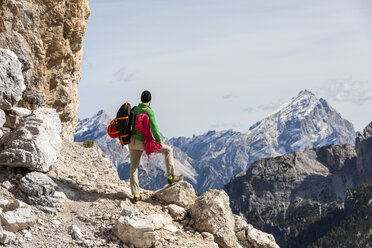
(210,160)
(296,196)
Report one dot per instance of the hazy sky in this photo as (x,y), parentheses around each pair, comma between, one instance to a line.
(219,64)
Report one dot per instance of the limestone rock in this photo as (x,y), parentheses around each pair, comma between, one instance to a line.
(240,224)
(260,239)
(15,116)
(211,213)
(6,237)
(11,79)
(241,235)
(40,190)
(207,236)
(18,219)
(182,194)
(75,232)
(177,212)
(137,230)
(47,37)
(2,118)
(35,144)
(12,204)
(129,211)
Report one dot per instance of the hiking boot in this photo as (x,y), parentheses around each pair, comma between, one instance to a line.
(174,179)
(136,198)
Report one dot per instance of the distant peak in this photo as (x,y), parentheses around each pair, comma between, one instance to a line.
(101,112)
(306,93)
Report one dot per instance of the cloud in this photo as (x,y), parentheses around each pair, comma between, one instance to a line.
(347,90)
(225,125)
(265,107)
(270,106)
(122,75)
(249,109)
(228,96)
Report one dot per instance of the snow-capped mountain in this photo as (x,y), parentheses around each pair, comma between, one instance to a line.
(152,171)
(210,160)
(303,123)
(94,128)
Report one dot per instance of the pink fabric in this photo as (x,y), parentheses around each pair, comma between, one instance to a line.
(150,145)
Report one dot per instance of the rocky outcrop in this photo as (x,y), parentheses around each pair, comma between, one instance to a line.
(11,79)
(182,194)
(47,36)
(40,190)
(315,179)
(35,144)
(322,174)
(249,236)
(211,213)
(363,147)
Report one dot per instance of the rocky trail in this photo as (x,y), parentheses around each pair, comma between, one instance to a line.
(90,200)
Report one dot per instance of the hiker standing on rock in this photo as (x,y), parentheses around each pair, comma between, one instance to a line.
(139,138)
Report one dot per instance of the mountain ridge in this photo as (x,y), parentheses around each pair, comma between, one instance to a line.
(304,122)
(214,157)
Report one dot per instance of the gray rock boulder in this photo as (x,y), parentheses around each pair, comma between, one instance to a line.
(40,190)
(11,79)
(75,232)
(35,144)
(182,194)
(251,237)
(177,212)
(211,213)
(260,239)
(18,219)
(137,229)
(15,116)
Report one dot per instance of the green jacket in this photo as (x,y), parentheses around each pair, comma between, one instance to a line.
(140,109)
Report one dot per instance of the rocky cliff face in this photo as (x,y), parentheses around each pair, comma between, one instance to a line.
(278,194)
(47,36)
(363,147)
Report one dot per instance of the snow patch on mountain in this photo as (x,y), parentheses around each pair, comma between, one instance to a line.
(302,123)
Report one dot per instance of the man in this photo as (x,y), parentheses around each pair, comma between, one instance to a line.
(136,147)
